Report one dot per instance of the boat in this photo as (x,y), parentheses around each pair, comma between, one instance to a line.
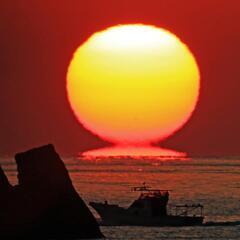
(149,209)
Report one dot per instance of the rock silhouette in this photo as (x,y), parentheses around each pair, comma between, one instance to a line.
(44,204)
(5,186)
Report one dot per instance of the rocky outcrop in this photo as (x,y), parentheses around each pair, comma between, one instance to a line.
(44,204)
(5,186)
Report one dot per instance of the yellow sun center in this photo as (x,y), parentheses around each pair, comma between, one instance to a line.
(133,84)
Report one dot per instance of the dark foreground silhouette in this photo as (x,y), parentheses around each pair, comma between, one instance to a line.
(149,209)
(44,204)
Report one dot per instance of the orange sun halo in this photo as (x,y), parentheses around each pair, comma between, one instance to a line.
(133,85)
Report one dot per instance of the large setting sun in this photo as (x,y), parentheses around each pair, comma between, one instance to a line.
(133,85)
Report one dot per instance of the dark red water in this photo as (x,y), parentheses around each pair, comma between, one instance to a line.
(215,183)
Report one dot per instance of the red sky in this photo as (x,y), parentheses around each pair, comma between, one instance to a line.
(39,37)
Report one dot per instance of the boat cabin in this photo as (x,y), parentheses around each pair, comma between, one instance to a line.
(151,202)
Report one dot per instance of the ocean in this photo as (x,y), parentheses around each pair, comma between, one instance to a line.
(213,182)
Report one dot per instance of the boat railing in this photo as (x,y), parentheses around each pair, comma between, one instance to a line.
(149,190)
(154,194)
(187,210)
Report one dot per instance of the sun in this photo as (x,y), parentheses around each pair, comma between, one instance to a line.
(133,84)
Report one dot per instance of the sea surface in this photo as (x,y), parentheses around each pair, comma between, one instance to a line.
(213,182)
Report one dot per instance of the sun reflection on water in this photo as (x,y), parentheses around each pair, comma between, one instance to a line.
(140,153)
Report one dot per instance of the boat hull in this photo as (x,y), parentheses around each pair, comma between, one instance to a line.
(113,215)
(173,221)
